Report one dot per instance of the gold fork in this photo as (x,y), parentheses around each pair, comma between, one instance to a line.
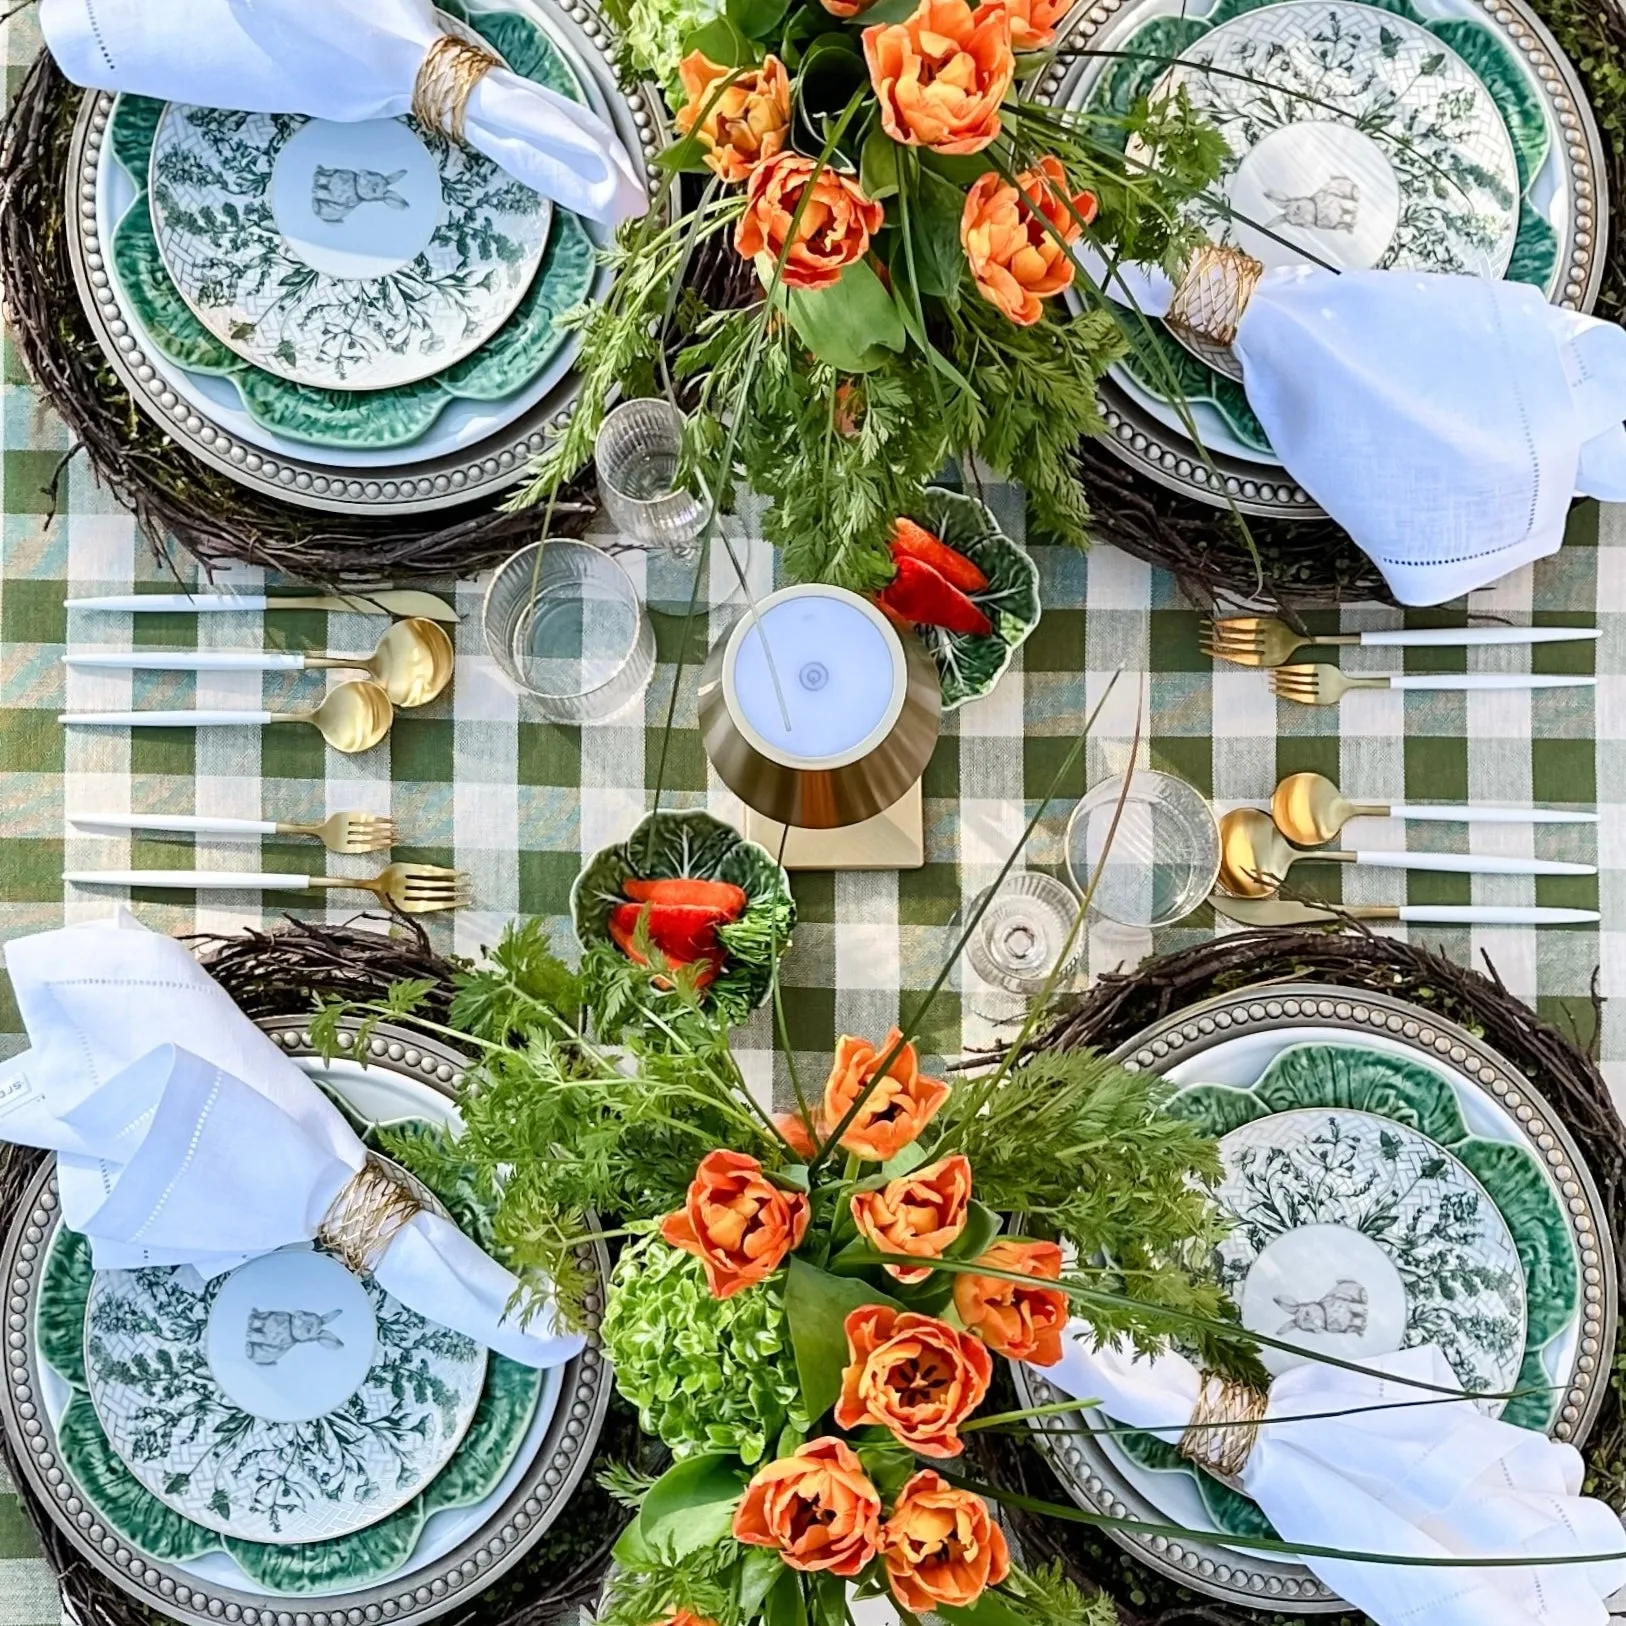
(1264,640)
(1313,684)
(412,889)
(339,833)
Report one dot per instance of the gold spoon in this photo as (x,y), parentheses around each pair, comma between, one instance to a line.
(1255,858)
(1309,810)
(353,717)
(413,661)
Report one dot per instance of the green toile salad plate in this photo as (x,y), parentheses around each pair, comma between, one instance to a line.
(475,389)
(1442,134)
(510,1475)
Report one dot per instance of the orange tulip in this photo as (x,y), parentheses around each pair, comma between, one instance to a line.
(1033,22)
(1015,259)
(798,1134)
(941,75)
(736,1222)
(1021,1320)
(846,9)
(897,1109)
(913,1374)
(816,1508)
(833,232)
(748,122)
(685,1617)
(920,1213)
(941,1546)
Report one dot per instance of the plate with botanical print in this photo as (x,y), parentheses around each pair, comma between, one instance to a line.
(285,1401)
(1385,1193)
(1359,135)
(341,256)
(516,1407)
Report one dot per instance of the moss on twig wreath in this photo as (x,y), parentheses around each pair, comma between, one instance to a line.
(176,499)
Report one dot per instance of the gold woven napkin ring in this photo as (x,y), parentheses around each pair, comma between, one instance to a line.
(450,70)
(1223,1428)
(362,1221)
(1214,292)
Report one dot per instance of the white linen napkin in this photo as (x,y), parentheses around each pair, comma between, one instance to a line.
(185,1136)
(344,60)
(1445,422)
(1423,1477)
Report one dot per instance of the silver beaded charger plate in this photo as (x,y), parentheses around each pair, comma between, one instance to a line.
(1563,202)
(375,484)
(1231,1040)
(460,1551)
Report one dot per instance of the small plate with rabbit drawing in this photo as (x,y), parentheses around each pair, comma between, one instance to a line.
(285,1401)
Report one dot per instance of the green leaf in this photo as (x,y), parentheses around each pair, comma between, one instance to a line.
(852,325)
(831,71)
(760,1571)
(783,1605)
(827,1600)
(908,1160)
(723,43)
(935,208)
(989,1610)
(816,1306)
(757,19)
(982,1225)
(691,1505)
(685,156)
(889,1467)
(960,168)
(888,11)
(878,164)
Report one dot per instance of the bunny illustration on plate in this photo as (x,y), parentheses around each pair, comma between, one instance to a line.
(1341,1310)
(272,1333)
(336,192)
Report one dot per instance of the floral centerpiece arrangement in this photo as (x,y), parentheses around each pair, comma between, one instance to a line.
(809,1307)
(878,277)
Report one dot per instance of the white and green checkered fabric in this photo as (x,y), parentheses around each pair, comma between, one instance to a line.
(477,781)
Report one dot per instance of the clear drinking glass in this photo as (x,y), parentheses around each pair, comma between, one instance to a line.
(564,622)
(1023,933)
(1164,858)
(637,454)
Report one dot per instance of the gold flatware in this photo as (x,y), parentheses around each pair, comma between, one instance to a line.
(353,717)
(1264,640)
(412,662)
(339,833)
(411,889)
(1255,858)
(1315,684)
(1288,912)
(397,601)
(1309,809)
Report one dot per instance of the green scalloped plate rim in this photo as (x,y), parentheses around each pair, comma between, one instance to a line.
(372,420)
(970,667)
(692,844)
(508,1401)
(1535,246)
(1415,1095)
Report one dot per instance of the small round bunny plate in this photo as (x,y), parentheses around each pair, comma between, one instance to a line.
(285,1401)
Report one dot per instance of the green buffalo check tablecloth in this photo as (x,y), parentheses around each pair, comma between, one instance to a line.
(478,781)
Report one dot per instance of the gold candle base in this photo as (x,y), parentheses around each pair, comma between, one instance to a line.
(895,839)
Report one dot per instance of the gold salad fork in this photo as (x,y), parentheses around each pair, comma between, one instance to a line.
(411,889)
(1264,640)
(339,832)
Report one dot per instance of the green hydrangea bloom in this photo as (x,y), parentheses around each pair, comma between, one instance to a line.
(706,1374)
(653,32)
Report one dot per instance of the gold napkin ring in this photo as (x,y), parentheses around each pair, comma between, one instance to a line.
(1214,291)
(1223,1428)
(366,1216)
(450,70)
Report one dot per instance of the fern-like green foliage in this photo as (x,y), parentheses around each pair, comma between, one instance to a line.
(558,1131)
(1083,1148)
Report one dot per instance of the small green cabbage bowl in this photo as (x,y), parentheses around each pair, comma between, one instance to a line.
(684,846)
